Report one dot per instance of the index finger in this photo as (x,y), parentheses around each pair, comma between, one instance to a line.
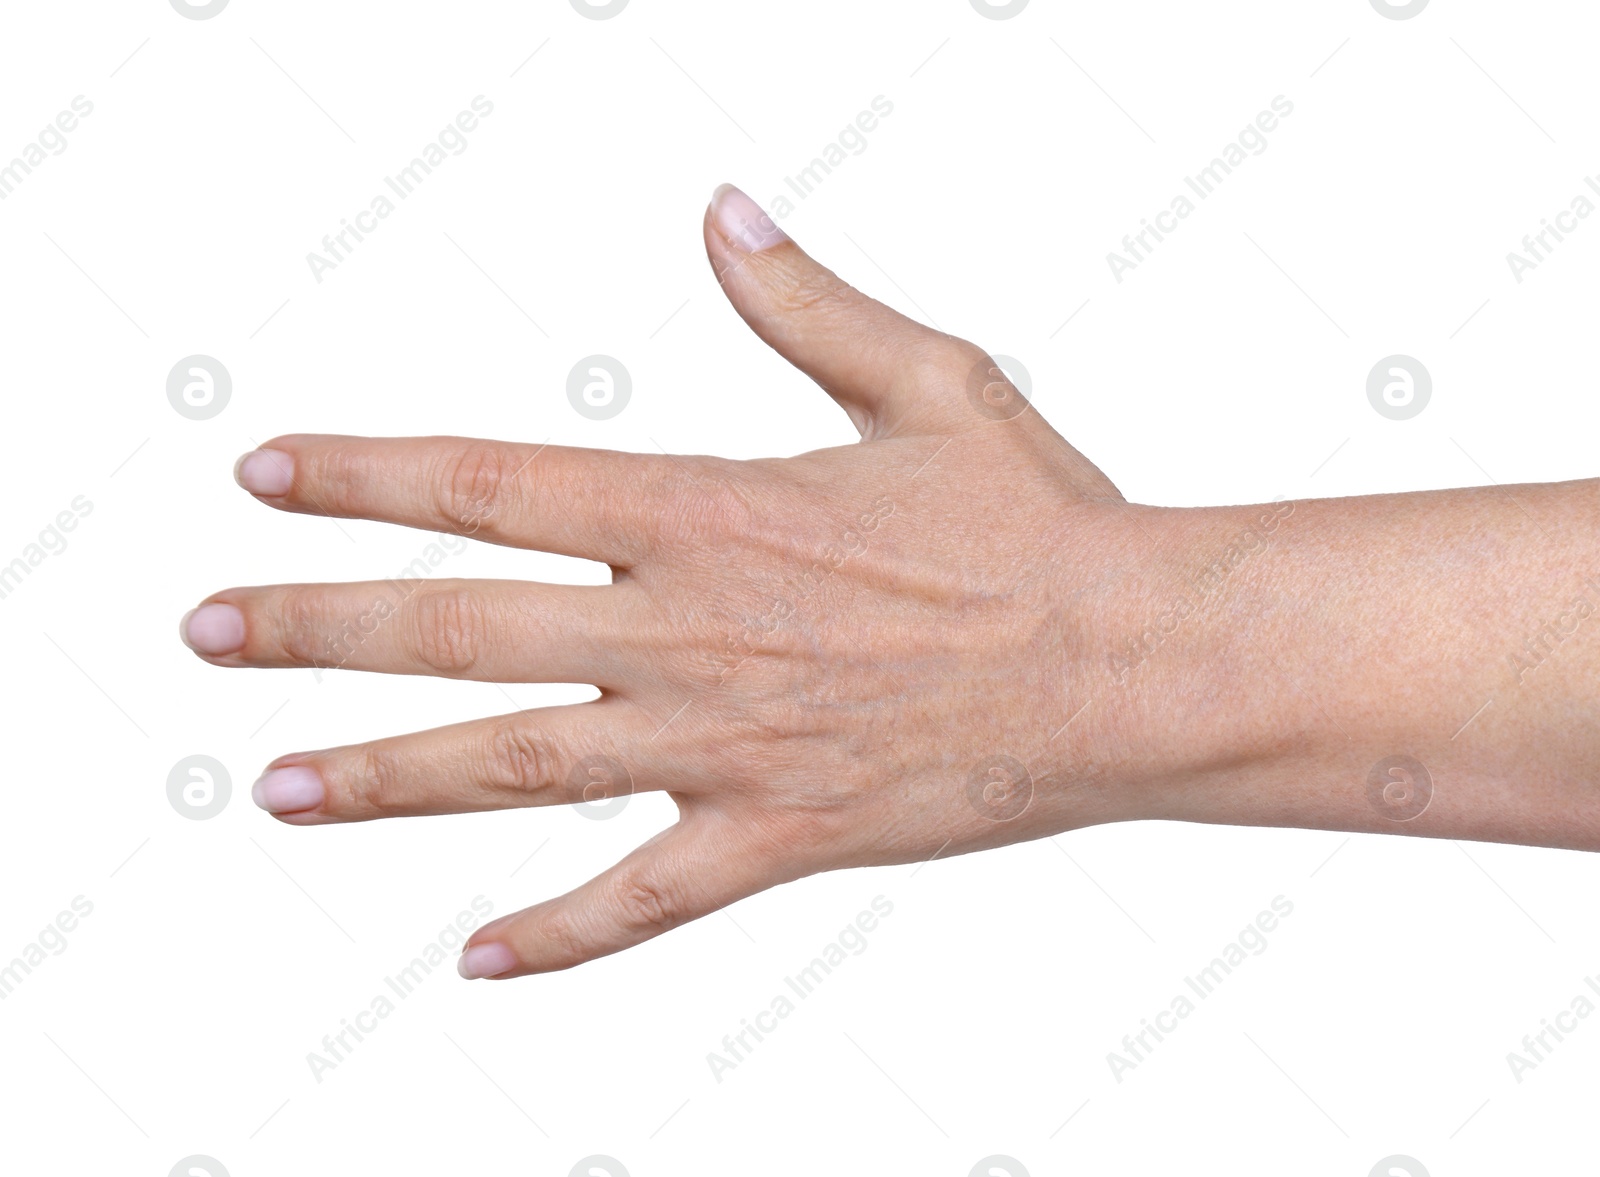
(593,504)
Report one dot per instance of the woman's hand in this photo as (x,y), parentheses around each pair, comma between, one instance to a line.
(953,635)
(860,655)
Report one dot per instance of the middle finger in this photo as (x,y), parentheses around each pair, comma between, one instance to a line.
(489,630)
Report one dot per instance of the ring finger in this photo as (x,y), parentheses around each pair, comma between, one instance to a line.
(567,755)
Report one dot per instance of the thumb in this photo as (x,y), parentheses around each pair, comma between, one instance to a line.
(890,373)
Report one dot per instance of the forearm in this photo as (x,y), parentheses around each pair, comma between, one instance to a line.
(1459,630)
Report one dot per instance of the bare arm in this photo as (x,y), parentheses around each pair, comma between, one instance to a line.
(1454,630)
(953,635)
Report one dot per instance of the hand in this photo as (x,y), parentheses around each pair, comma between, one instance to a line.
(860,655)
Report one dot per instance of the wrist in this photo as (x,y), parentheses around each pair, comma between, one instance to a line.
(1180,669)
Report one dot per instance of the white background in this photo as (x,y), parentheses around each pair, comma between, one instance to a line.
(1226,368)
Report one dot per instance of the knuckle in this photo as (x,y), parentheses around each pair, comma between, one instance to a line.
(474,488)
(946,359)
(373,786)
(712,503)
(336,477)
(517,760)
(448,629)
(305,633)
(562,943)
(814,291)
(647,905)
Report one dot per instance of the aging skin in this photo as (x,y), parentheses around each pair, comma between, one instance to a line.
(953,635)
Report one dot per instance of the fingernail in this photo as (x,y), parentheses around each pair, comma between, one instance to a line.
(265,472)
(743,221)
(288,790)
(213,629)
(485,960)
